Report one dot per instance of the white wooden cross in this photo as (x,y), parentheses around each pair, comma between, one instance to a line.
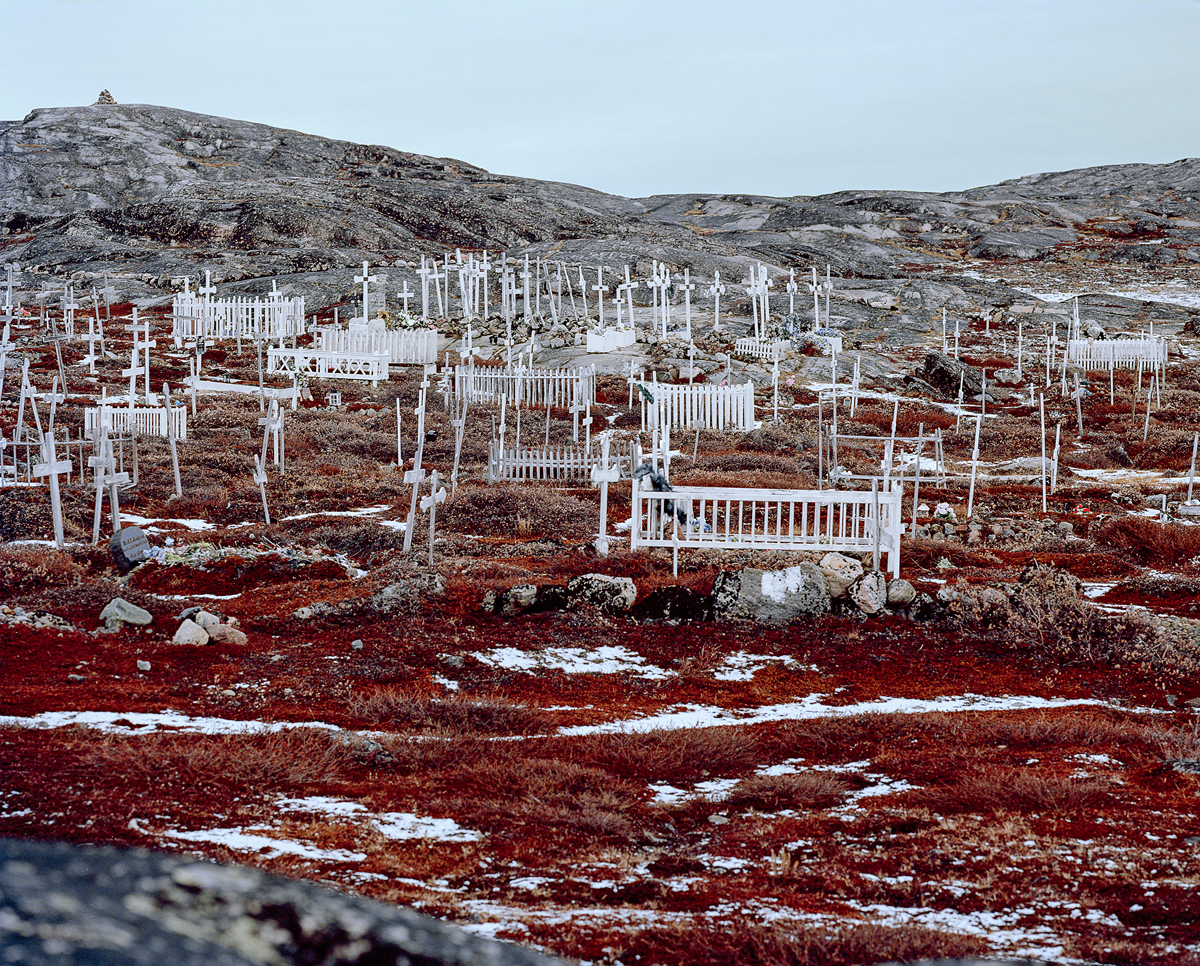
(273,424)
(107,477)
(429,505)
(459,425)
(423,271)
(577,406)
(629,286)
(366,278)
(12,268)
(51,467)
(27,392)
(260,478)
(764,288)
(602,475)
(437,286)
(815,288)
(414,476)
(792,288)
(600,289)
(134,368)
(716,290)
(406,295)
(666,298)
(69,306)
(688,286)
(751,288)
(827,288)
(526,275)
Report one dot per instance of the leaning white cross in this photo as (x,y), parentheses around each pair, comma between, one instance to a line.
(51,468)
(273,424)
(414,476)
(107,477)
(429,505)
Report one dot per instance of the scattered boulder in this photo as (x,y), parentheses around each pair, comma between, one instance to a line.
(900,593)
(772,596)
(190,633)
(869,593)
(1007,377)
(119,611)
(146,908)
(945,374)
(224,634)
(405,596)
(840,572)
(609,594)
(206,620)
(516,599)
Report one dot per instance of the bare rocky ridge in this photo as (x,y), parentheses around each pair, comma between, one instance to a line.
(145,193)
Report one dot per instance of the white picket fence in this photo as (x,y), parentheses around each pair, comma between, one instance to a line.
(325,364)
(556,462)
(235,318)
(733,518)
(140,420)
(762,348)
(525,387)
(685,406)
(1146,352)
(403,347)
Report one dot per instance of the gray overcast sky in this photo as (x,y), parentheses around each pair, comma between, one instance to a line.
(641,97)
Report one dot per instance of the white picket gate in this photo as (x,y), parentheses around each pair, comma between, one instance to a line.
(555,462)
(685,406)
(736,518)
(235,318)
(323,364)
(403,347)
(1146,352)
(525,387)
(140,420)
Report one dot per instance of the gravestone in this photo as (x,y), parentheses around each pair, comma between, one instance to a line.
(129,548)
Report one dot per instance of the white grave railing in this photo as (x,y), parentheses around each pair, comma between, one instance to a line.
(734,518)
(555,462)
(766,349)
(327,364)
(233,318)
(140,420)
(525,387)
(610,339)
(1147,352)
(404,347)
(698,405)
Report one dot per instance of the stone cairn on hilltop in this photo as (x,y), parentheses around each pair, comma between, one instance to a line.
(105,98)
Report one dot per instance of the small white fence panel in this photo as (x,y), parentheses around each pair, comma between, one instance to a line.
(1146,353)
(525,387)
(403,347)
(555,462)
(323,364)
(685,406)
(762,348)
(235,318)
(734,518)
(140,420)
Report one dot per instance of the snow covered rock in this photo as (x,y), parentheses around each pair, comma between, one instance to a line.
(770,595)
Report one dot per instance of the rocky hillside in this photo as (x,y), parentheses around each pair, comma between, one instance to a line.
(144,193)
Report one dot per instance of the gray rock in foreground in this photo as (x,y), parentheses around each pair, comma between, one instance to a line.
(65,904)
(770,595)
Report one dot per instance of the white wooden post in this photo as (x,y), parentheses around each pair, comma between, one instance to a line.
(171,437)
(792,288)
(688,286)
(974,466)
(260,478)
